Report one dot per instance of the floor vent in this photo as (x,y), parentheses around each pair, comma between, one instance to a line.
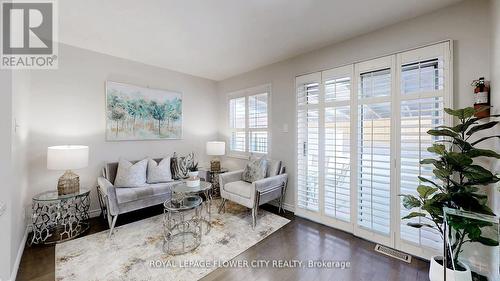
(393,253)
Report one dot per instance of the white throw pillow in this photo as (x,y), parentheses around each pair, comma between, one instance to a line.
(159,172)
(131,175)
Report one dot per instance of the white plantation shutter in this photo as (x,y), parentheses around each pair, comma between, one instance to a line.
(337,84)
(248,121)
(424,87)
(374,147)
(237,123)
(257,123)
(417,117)
(308,142)
(337,162)
(361,133)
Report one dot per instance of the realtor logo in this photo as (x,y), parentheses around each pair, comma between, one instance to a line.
(28,32)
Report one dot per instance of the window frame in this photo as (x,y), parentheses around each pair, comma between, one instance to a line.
(247,93)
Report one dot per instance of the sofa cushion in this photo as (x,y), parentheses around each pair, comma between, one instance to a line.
(124,195)
(273,168)
(241,188)
(255,169)
(159,172)
(131,175)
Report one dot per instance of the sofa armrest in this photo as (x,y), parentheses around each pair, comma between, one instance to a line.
(110,191)
(229,177)
(271,183)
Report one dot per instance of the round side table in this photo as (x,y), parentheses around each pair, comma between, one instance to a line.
(182,225)
(57,218)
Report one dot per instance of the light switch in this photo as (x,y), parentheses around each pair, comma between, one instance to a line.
(285,128)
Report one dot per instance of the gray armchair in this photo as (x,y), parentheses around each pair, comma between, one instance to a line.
(252,195)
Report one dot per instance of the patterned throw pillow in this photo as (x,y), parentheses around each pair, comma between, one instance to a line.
(180,165)
(159,172)
(255,169)
(131,175)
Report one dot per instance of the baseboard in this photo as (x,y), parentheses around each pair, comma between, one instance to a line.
(20,252)
(95,213)
(286,206)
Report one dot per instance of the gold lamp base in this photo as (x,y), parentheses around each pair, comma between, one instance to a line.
(68,183)
(215,165)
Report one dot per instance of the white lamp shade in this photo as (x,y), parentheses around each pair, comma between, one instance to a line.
(216,148)
(67,157)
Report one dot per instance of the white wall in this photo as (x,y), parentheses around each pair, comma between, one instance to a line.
(459,22)
(67,106)
(20,94)
(6,190)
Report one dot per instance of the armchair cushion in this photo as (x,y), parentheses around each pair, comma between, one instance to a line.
(228,177)
(125,195)
(273,168)
(255,169)
(241,188)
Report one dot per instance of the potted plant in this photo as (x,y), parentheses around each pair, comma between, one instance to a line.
(193,170)
(457,183)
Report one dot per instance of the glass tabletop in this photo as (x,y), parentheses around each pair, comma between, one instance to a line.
(183,188)
(187,203)
(53,196)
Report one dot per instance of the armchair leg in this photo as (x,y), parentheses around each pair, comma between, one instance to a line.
(112,226)
(280,205)
(222,206)
(254,217)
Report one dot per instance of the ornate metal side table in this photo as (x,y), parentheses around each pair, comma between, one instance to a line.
(182,225)
(205,189)
(59,218)
(213,177)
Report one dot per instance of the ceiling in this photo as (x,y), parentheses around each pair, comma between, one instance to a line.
(217,39)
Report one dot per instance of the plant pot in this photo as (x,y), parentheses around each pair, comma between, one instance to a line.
(436,271)
(193,175)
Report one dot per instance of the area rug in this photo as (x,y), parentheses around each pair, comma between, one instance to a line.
(134,252)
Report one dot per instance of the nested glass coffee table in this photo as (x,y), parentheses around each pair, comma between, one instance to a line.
(205,188)
(182,225)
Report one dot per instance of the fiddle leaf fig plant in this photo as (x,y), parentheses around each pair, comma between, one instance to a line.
(457,180)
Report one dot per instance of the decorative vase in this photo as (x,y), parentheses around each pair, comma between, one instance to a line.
(436,271)
(193,174)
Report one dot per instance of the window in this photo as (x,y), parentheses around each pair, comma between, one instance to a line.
(248,121)
(308,143)
(361,133)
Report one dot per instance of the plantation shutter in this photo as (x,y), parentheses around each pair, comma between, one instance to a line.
(374,146)
(308,141)
(361,133)
(337,85)
(257,123)
(237,124)
(423,85)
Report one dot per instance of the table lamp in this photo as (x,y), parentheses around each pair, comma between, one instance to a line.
(215,148)
(67,158)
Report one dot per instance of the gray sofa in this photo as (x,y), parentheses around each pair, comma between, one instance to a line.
(118,200)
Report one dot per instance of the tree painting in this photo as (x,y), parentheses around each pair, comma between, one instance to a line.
(137,113)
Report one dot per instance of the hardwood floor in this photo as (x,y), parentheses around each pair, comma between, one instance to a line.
(301,240)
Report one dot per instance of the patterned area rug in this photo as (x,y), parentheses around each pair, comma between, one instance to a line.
(134,252)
